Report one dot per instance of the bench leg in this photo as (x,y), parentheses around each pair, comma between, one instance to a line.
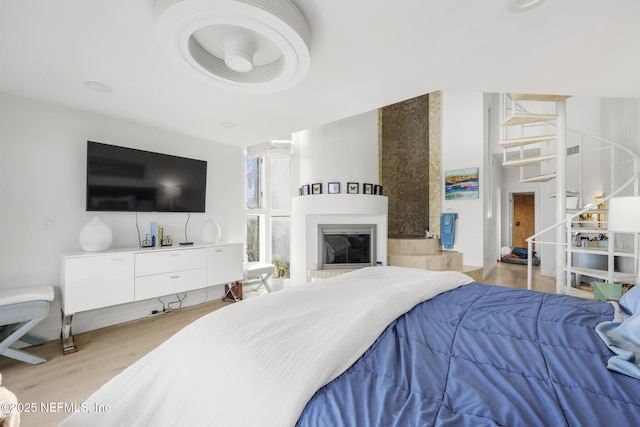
(17,333)
(265,283)
(23,356)
(231,292)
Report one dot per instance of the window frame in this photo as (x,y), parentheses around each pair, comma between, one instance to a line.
(266,153)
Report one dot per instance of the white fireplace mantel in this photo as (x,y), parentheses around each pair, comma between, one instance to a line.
(311,210)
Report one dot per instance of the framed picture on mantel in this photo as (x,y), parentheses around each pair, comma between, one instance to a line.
(353,187)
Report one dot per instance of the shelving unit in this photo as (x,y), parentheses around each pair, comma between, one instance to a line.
(610,249)
(537,144)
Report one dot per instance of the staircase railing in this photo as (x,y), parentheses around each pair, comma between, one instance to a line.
(567,221)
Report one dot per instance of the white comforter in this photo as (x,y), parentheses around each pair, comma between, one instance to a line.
(258,362)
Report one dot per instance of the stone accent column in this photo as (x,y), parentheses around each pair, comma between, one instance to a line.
(435,170)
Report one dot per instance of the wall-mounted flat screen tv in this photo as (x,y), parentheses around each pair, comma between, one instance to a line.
(124,179)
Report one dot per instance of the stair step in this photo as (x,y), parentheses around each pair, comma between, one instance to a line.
(407,245)
(539,97)
(539,178)
(445,260)
(521,119)
(519,142)
(474,271)
(529,160)
(569,193)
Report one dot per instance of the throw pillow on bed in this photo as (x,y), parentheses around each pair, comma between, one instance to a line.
(630,301)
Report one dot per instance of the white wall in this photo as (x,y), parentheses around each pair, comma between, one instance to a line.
(42,171)
(463,147)
(343,151)
(620,122)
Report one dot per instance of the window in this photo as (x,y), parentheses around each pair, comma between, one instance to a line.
(253,183)
(253,238)
(268,216)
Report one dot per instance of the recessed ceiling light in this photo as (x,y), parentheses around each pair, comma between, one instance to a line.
(250,46)
(98,87)
(229,124)
(522,5)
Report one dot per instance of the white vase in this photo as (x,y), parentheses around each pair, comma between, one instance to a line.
(95,236)
(276,283)
(210,231)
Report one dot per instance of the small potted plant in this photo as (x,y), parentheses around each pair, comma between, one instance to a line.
(277,280)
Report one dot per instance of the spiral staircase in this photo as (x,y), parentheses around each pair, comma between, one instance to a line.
(535,139)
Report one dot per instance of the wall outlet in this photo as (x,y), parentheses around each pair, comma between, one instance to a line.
(49,224)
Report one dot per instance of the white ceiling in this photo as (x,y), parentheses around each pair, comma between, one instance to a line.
(364,54)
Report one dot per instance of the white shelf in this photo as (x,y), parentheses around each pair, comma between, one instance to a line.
(618,277)
(601,251)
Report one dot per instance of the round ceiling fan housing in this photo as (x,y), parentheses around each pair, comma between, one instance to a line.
(252,46)
(522,5)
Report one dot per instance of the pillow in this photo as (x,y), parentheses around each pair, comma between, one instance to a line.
(630,301)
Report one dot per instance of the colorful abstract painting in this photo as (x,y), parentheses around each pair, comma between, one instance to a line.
(461,184)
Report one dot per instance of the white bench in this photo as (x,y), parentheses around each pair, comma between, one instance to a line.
(20,310)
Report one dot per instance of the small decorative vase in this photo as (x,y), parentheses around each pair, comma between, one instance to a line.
(210,231)
(276,283)
(95,236)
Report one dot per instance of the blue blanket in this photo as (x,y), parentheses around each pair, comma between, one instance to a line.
(484,355)
(623,338)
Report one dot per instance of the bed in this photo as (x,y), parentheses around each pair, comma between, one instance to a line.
(382,346)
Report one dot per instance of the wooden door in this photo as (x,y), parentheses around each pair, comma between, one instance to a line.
(523,224)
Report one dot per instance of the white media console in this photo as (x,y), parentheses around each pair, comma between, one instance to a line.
(91,280)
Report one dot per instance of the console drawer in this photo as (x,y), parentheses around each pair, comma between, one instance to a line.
(166,261)
(91,282)
(158,285)
(225,264)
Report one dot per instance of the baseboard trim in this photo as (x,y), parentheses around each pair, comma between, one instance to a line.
(101,318)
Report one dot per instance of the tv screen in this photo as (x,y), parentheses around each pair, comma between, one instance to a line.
(129,180)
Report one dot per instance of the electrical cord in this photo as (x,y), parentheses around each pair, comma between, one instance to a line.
(179,302)
(186,239)
(138,228)
(167,308)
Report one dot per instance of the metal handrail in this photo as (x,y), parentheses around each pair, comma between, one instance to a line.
(568,219)
(517,107)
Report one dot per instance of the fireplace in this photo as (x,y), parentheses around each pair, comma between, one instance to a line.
(346,245)
(348,211)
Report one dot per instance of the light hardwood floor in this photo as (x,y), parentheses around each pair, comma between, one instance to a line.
(514,275)
(104,353)
(101,355)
